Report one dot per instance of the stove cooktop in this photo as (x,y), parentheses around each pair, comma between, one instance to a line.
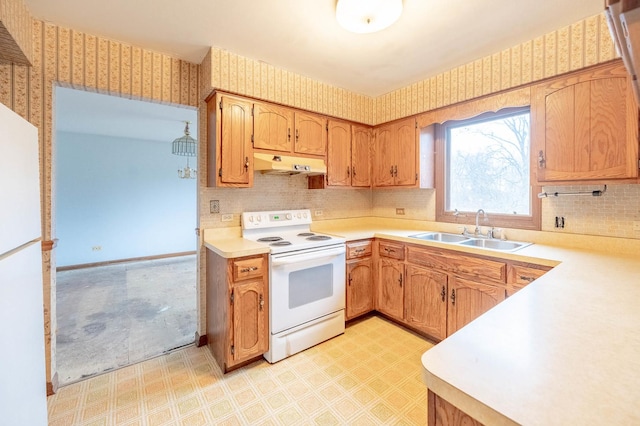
(284,230)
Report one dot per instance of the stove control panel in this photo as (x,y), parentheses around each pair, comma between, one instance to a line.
(270,219)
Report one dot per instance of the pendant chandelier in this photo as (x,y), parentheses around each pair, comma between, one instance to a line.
(188,147)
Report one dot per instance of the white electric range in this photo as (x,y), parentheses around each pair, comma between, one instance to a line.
(306,280)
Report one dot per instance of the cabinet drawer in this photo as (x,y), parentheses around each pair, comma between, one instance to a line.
(358,249)
(457,263)
(247,268)
(523,275)
(394,251)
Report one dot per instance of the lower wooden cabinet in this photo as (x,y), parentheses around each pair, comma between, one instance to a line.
(237,309)
(426,301)
(468,300)
(359,287)
(442,413)
(391,288)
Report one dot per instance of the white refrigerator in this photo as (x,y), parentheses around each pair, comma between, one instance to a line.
(23,399)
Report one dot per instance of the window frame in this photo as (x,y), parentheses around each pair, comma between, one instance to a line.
(532,222)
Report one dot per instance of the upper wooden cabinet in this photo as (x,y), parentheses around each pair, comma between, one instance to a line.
(585,127)
(348,155)
(278,128)
(230,129)
(310,134)
(273,127)
(394,154)
(360,156)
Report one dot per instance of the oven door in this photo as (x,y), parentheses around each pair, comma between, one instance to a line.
(306,285)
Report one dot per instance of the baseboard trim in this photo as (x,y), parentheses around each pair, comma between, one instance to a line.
(201,340)
(132,259)
(52,386)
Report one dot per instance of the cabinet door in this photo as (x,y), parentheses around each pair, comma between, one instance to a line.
(383,157)
(339,154)
(273,127)
(310,134)
(361,156)
(250,320)
(234,150)
(404,169)
(447,414)
(586,127)
(391,292)
(468,300)
(426,301)
(359,288)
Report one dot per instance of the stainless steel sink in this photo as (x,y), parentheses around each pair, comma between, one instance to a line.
(495,244)
(441,237)
(457,239)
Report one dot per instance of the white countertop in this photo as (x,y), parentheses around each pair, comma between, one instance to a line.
(565,350)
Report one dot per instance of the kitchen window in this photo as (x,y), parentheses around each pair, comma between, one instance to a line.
(485,163)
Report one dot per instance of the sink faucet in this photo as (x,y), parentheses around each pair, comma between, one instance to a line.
(477,230)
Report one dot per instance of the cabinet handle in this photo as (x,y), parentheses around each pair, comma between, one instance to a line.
(353,171)
(261,302)
(297,135)
(249,269)
(359,250)
(395,171)
(443,294)
(541,160)
(349,279)
(289,134)
(527,279)
(389,250)
(348,172)
(400,280)
(391,171)
(246,163)
(453,296)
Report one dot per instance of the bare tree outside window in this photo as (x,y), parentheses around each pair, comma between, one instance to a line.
(488,165)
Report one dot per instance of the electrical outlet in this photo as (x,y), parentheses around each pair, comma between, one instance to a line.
(318,213)
(227,217)
(400,211)
(96,248)
(214,206)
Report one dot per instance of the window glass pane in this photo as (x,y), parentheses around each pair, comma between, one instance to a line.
(488,165)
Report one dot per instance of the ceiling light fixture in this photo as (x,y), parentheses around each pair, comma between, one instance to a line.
(367,16)
(188,147)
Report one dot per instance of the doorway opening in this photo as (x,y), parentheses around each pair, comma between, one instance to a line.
(125,217)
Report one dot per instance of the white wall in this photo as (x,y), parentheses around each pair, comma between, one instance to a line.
(123,195)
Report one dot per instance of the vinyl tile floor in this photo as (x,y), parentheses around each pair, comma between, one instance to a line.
(370,375)
(115,315)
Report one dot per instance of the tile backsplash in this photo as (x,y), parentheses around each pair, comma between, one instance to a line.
(612,214)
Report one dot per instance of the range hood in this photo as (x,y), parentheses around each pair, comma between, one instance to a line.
(623,18)
(287,165)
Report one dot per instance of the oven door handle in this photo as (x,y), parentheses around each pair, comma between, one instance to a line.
(303,257)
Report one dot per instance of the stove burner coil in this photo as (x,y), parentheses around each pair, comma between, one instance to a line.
(306,234)
(269,239)
(319,238)
(281,243)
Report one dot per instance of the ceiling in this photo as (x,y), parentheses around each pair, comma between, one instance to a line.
(303,36)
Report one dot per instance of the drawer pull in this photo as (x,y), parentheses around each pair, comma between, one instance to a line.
(360,250)
(527,279)
(389,250)
(249,269)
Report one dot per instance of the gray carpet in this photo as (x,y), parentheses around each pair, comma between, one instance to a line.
(116,315)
